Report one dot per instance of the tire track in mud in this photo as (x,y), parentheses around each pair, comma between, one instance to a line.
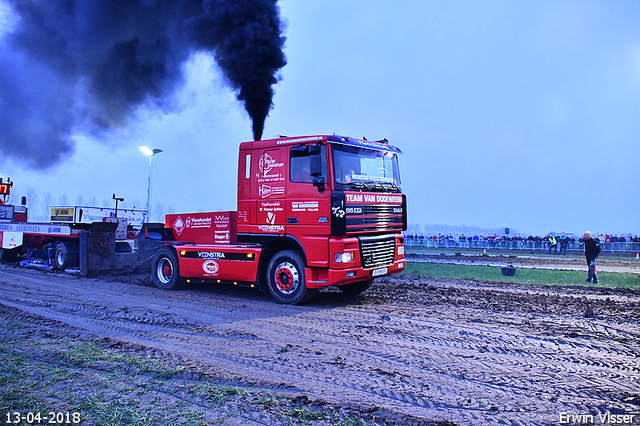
(442,367)
(455,368)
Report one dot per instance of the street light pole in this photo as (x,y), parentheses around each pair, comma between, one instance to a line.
(150,153)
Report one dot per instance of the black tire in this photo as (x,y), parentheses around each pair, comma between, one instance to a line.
(165,270)
(354,289)
(8,255)
(65,257)
(286,280)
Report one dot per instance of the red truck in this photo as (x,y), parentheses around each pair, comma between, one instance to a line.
(313,212)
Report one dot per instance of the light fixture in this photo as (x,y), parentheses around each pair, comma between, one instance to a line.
(150,153)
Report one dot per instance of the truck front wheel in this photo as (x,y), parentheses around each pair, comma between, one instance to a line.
(354,289)
(166,271)
(286,280)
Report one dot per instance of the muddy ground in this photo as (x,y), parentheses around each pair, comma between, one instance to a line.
(409,351)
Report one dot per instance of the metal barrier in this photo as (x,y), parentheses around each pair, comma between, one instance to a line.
(626,247)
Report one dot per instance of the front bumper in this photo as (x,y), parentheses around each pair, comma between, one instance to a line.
(320,277)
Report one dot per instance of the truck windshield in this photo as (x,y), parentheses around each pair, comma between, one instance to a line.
(356,168)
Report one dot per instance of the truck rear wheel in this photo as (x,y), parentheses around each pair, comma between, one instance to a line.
(8,255)
(286,280)
(65,257)
(166,270)
(354,289)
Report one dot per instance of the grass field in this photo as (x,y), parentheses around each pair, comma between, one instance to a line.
(89,383)
(522,276)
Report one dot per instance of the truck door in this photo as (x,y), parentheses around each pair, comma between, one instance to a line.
(271,184)
(308,206)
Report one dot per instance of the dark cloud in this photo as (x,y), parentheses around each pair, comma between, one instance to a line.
(72,63)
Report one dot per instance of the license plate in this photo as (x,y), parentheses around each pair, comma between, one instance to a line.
(379,272)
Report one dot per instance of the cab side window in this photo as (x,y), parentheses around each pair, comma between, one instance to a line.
(300,164)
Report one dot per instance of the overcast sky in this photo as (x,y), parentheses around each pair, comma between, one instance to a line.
(524,114)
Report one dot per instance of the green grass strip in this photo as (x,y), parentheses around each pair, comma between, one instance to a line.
(494,251)
(523,275)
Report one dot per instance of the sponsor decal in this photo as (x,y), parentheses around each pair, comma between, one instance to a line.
(271,228)
(222,222)
(267,163)
(269,169)
(356,177)
(210,255)
(221,236)
(304,206)
(210,267)
(271,207)
(35,229)
(271,218)
(11,240)
(178,225)
(337,212)
(198,222)
(388,199)
(298,140)
(95,214)
(267,191)
(373,198)
(62,214)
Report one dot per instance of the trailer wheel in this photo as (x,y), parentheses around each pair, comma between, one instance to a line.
(8,255)
(354,289)
(166,271)
(285,278)
(64,257)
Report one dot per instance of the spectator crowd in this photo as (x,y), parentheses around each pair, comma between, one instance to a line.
(557,243)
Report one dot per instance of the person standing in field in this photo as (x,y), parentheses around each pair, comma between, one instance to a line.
(564,241)
(591,252)
(553,243)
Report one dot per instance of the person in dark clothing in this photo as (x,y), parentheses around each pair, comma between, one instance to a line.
(564,241)
(591,252)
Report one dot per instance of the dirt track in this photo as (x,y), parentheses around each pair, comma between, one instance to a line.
(429,350)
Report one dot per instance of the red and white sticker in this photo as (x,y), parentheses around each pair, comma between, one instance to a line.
(179,225)
(210,267)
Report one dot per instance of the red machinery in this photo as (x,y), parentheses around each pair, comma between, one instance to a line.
(313,212)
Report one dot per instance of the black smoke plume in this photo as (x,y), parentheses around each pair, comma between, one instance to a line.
(68,65)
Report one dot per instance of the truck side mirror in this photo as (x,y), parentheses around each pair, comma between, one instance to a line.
(319,183)
(316,167)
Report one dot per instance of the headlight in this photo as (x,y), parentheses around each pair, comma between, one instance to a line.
(400,250)
(344,257)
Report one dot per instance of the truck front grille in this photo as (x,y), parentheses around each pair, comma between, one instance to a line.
(377,251)
(368,218)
